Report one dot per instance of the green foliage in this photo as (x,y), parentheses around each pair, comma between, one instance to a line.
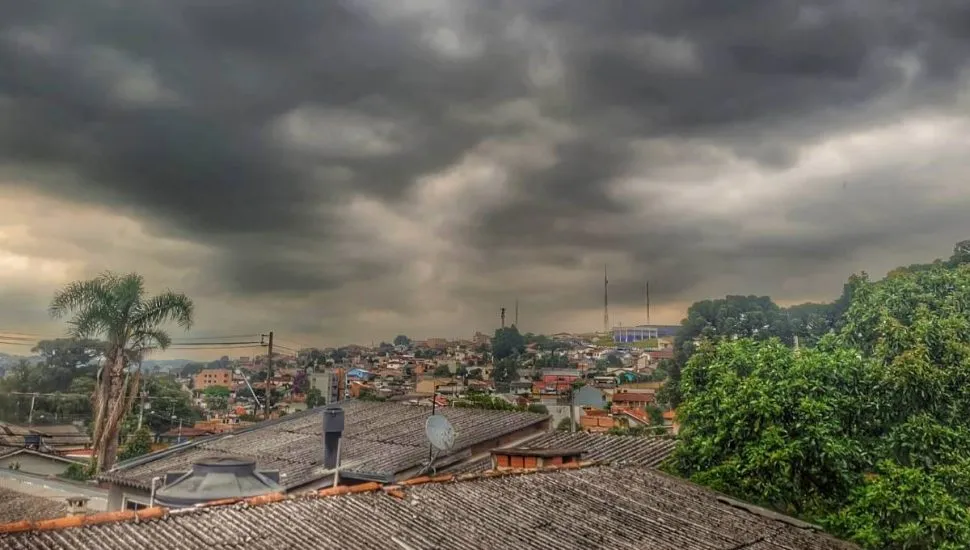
(484,401)
(564,425)
(505,371)
(217,391)
(402,340)
(313,398)
(442,371)
(370,395)
(168,400)
(538,408)
(507,342)
(138,444)
(77,472)
(902,507)
(868,432)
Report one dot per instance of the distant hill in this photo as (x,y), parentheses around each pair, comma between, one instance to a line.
(7,360)
(166,364)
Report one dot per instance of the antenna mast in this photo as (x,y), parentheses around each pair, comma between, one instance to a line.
(606,301)
(647,291)
(516,312)
(503,317)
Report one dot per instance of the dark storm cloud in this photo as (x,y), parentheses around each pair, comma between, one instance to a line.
(227,123)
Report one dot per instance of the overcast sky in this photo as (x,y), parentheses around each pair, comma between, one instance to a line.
(342,171)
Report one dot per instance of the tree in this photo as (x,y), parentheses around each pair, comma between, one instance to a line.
(216,398)
(138,444)
(402,340)
(169,403)
(505,371)
(475,374)
(116,308)
(442,371)
(507,342)
(314,398)
(867,433)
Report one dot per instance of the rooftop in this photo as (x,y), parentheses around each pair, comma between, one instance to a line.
(563,508)
(602,448)
(16,506)
(379,441)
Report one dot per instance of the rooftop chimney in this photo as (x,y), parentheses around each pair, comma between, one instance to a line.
(333,428)
(216,478)
(77,506)
(513,458)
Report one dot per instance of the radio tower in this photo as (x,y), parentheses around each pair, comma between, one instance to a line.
(606,301)
(516,312)
(503,317)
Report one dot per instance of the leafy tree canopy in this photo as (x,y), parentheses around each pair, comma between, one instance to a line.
(867,433)
(507,342)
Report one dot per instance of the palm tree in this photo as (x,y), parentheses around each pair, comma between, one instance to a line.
(115,308)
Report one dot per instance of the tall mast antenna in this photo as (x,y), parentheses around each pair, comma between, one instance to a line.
(606,301)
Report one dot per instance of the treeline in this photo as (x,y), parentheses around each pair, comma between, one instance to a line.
(864,429)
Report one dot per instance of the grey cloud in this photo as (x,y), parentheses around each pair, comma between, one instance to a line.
(251,130)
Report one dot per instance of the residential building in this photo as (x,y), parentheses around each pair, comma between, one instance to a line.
(556,381)
(382,442)
(331,383)
(207,378)
(601,448)
(33,462)
(60,438)
(633,399)
(570,507)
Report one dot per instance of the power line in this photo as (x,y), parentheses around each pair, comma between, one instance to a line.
(225,337)
(214,343)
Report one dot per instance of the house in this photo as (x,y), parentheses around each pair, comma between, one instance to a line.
(634,399)
(29,461)
(557,380)
(381,441)
(576,506)
(207,378)
(54,438)
(600,448)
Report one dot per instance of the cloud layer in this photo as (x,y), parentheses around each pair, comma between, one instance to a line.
(344,171)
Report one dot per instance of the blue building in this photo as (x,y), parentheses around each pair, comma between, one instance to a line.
(627,335)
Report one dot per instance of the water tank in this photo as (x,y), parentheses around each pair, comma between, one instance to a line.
(216,478)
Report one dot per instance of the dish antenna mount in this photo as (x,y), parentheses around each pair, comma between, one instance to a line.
(441,435)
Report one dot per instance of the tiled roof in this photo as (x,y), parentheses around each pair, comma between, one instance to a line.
(16,506)
(567,509)
(603,448)
(13,435)
(379,441)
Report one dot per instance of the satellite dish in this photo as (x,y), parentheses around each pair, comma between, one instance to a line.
(440,433)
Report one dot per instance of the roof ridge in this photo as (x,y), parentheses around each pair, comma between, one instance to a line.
(396,490)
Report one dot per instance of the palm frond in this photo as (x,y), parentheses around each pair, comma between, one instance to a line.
(81,294)
(147,340)
(162,308)
(128,291)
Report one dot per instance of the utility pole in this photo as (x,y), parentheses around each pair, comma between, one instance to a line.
(30,415)
(141,410)
(269,372)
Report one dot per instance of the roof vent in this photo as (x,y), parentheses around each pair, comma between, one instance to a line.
(215,479)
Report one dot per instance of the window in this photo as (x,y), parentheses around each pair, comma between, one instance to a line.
(132,505)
